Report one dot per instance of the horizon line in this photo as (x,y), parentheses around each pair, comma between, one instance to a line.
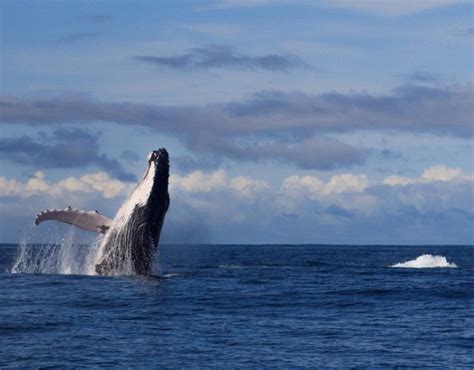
(289,244)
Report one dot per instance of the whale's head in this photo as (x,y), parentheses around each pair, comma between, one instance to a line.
(155,183)
(147,205)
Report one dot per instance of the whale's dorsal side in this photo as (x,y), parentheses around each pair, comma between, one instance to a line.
(87,220)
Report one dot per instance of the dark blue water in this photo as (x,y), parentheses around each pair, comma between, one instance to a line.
(242,306)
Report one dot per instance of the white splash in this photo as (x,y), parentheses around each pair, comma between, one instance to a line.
(139,197)
(72,256)
(426,261)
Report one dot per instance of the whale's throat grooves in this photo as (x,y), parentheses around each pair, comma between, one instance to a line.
(129,245)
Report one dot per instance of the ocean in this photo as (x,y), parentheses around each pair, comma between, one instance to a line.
(245,306)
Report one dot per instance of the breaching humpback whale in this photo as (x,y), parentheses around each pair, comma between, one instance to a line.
(131,238)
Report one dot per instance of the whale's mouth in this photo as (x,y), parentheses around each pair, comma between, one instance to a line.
(159,157)
(158,161)
(156,178)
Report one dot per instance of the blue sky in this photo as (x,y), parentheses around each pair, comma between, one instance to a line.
(286,121)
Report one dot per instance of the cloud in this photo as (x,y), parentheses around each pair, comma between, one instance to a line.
(130,156)
(422,77)
(315,153)
(352,192)
(392,8)
(435,173)
(407,108)
(216,207)
(20,200)
(188,163)
(200,182)
(412,108)
(238,3)
(466,32)
(97,18)
(215,29)
(384,7)
(98,183)
(441,173)
(344,183)
(64,148)
(310,208)
(80,36)
(322,153)
(290,127)
(222,56)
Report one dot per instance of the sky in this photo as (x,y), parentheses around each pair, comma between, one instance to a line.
(324,121)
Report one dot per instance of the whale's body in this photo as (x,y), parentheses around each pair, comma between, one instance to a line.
(131,238)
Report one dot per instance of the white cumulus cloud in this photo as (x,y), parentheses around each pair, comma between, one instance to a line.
(99,182)
(431,174)
(299,209)
(338,184)
(201,182)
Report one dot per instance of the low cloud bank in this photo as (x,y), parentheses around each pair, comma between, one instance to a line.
(98,183)
(344,208)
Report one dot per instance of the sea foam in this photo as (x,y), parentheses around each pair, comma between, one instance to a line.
(426,261)
(64,250)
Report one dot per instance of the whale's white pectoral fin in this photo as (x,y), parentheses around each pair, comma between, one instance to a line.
(87,220)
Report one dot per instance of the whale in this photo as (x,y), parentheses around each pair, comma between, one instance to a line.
(129,240)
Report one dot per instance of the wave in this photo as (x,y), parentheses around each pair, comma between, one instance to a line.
(426,261)
(171,275)
(230,266)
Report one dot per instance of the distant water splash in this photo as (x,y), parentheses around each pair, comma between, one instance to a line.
(74,254)
(426,261)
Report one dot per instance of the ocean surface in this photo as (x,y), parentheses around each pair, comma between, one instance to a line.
(245,306)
